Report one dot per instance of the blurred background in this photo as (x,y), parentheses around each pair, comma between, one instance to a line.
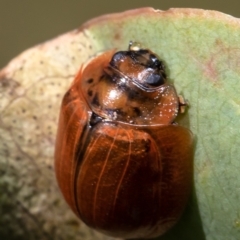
(25,23)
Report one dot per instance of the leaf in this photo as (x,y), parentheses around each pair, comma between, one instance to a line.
(201,51)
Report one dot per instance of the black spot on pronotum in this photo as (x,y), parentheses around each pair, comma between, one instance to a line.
(89,81)
(132,94)
(95,100)
(137,111)
(90,93)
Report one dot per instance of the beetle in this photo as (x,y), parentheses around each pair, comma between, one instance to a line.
(122,163)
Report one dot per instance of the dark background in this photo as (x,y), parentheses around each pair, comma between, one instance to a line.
(24,23)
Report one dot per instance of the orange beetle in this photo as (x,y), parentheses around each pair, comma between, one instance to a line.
(122,164)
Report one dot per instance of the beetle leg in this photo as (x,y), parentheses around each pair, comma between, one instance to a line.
(183,104)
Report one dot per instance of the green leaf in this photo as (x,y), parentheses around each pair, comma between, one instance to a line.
(202,55)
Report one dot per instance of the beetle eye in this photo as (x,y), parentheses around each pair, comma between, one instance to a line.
(155,80)
(117,57)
